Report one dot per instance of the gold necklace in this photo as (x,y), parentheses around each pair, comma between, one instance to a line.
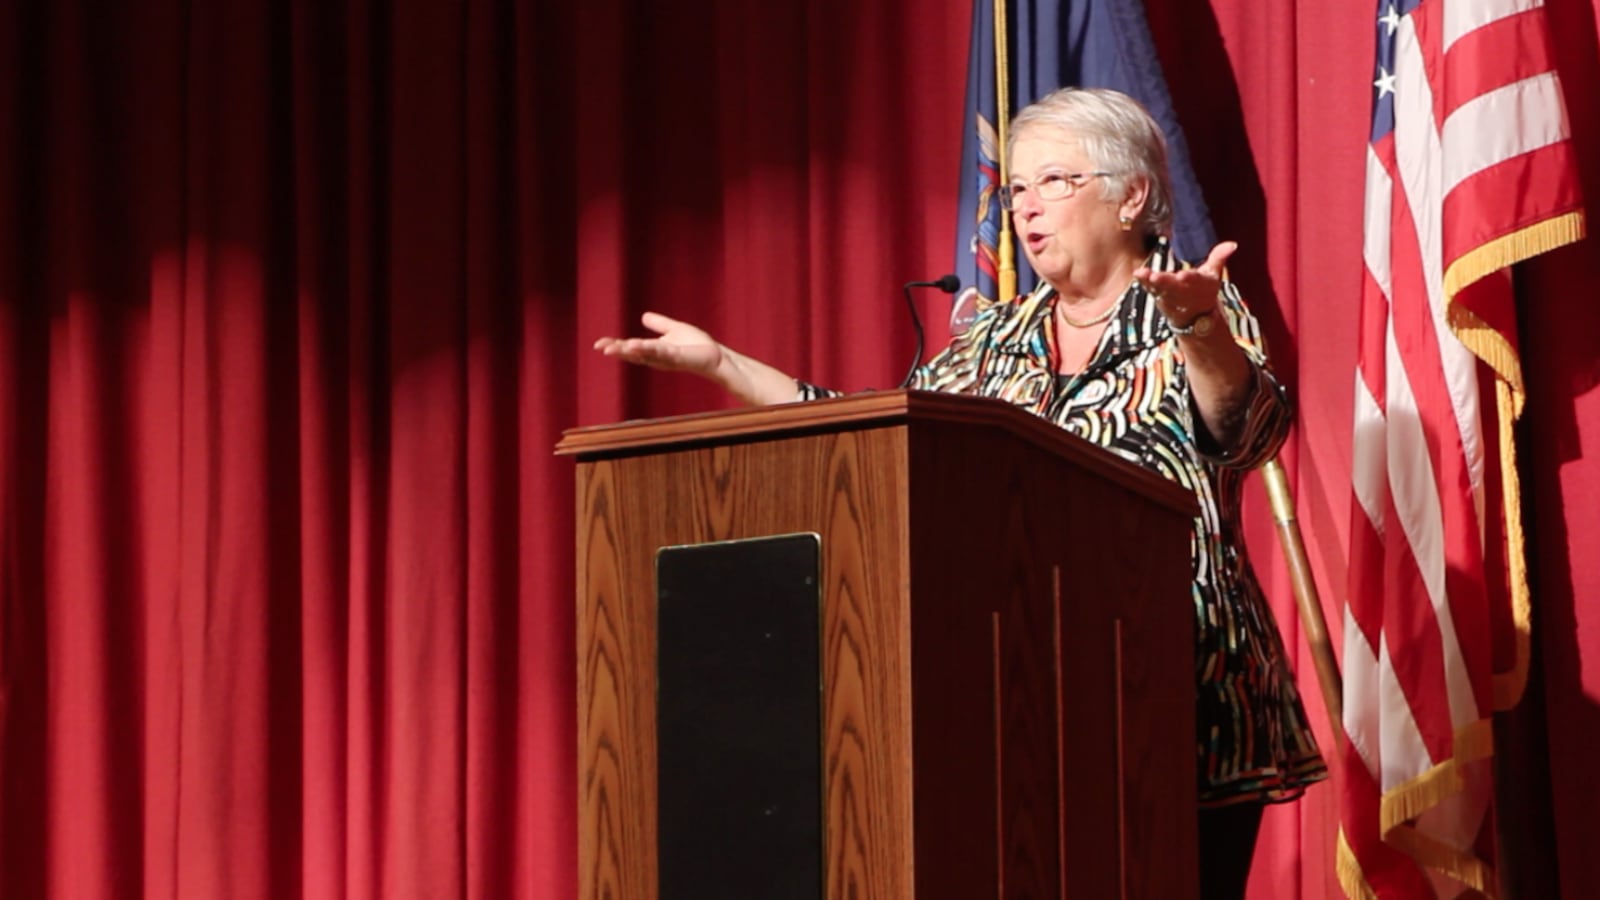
(1088,323)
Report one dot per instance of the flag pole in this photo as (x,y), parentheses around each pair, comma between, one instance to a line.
(1006,282)
(1305,594)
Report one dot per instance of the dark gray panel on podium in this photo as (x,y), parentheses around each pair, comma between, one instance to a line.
(739,719)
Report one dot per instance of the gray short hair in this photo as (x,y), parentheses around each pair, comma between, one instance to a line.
(1119,137)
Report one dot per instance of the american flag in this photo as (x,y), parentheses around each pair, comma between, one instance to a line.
(1469,170)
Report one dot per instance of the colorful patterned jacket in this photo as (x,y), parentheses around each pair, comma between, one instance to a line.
(1254,741)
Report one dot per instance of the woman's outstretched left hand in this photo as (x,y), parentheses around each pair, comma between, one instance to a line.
(1191,293)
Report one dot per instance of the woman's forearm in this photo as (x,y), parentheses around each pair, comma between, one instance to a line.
(1220,380)
(752,381)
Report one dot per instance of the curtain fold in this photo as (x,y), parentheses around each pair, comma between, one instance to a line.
(295,302)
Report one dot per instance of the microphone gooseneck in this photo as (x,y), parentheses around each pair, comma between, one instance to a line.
(949,284)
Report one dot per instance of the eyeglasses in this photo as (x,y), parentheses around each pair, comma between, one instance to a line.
(1049,186)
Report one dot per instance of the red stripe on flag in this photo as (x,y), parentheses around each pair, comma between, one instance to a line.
(1374,335)
(1425,22)
(1366,576)
(1375,304)
(1506,198)
(1502,52)
(1492,302)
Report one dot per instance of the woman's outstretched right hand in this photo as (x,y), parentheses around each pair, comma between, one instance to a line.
(681,347)
(677,347)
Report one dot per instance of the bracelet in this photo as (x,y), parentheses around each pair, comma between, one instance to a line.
(1199,326)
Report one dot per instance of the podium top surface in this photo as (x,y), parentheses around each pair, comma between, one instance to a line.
(877,409)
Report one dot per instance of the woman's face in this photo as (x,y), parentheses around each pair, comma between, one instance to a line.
(1079,234)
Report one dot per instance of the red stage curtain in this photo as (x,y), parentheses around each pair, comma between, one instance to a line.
(295,299)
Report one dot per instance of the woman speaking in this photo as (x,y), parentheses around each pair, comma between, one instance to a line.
(1158,362)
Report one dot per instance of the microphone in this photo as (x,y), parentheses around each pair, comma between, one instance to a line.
(949,284)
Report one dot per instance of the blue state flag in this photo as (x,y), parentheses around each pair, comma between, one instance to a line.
(1051,44)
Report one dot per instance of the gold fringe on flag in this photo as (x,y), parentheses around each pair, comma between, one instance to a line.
(1501,356)
(1507,250)
(1486,343)
(1463,867)
(1509,685)
(1417,795)
(1403,804)
(1469,870)
(1348,868)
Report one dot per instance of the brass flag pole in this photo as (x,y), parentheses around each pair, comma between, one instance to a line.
(1305,594)
(1006,283)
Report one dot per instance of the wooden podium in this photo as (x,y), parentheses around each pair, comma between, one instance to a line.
(1005,646)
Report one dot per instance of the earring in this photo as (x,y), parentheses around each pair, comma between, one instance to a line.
(1125,222)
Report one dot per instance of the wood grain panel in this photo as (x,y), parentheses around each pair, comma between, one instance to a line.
(866,654)
(831,484)
(616,722)
(997,542)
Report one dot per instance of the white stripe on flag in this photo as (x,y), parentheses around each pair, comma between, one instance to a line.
(1379,204)
(1360,694)
(1368,467)
(1416,154)
(1404,755)
(1410,473)
(1502,124)
(1460,18)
